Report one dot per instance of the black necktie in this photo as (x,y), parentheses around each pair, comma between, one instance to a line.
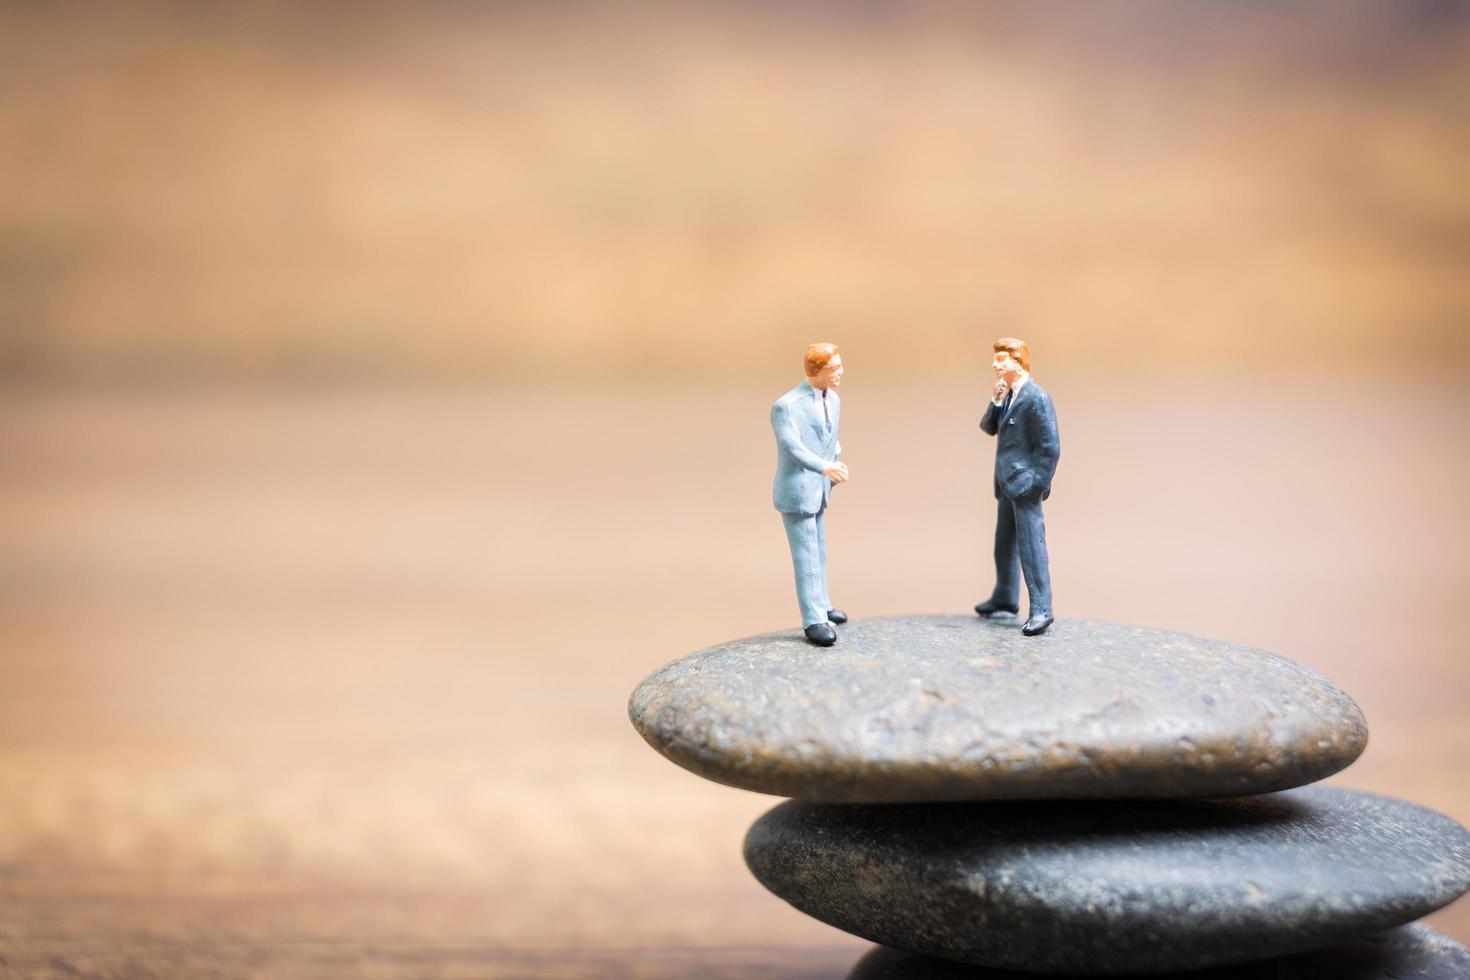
(825,417)
(1006,406)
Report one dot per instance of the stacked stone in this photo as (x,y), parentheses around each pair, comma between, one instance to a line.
(1101,799)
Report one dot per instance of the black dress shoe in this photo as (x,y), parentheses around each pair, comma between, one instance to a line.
(990,608)
(836,616)
(821,634)
(1037,624)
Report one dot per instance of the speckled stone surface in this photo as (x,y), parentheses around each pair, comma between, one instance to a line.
(930,708)
(1412,952)
(1114,887)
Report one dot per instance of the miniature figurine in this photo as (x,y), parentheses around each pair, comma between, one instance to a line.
(806,420)
(1021,416)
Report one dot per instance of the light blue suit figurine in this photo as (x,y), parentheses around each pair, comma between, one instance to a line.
(805,420)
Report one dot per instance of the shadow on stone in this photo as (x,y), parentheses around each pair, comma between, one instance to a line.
(1409,951)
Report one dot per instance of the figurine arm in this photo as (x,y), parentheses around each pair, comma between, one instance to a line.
(990,421)
(788,440)
(1048,441)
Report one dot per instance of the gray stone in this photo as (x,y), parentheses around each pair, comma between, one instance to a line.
(1114,887)
(930,708)
(1414,951)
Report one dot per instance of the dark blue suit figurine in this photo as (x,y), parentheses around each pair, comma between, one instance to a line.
(1021,417)
(805,420)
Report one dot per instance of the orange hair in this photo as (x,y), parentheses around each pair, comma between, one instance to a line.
(817,356)
(1017,349)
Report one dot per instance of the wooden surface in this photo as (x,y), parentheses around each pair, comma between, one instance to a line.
(332,683)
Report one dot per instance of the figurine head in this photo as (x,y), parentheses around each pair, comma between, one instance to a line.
(823,366)
(1012,359)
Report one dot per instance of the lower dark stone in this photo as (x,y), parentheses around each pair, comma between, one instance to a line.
(1413,951)
(1120,887)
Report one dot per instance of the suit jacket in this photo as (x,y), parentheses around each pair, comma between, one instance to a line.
(1028,446)
(804,447)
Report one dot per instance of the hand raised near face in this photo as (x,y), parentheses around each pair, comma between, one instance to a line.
(998,392)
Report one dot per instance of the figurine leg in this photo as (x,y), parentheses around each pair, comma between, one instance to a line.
(806,561)
(1031,532)
(826,598)
(1007,593)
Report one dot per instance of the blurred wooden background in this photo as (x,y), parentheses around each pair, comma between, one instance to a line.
(588,190)
(383,393)
(332,683)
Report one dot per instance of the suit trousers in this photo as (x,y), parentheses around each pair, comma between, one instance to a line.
(1020,540)
(807,536)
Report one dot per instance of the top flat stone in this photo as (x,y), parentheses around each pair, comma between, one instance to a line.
(933,708)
